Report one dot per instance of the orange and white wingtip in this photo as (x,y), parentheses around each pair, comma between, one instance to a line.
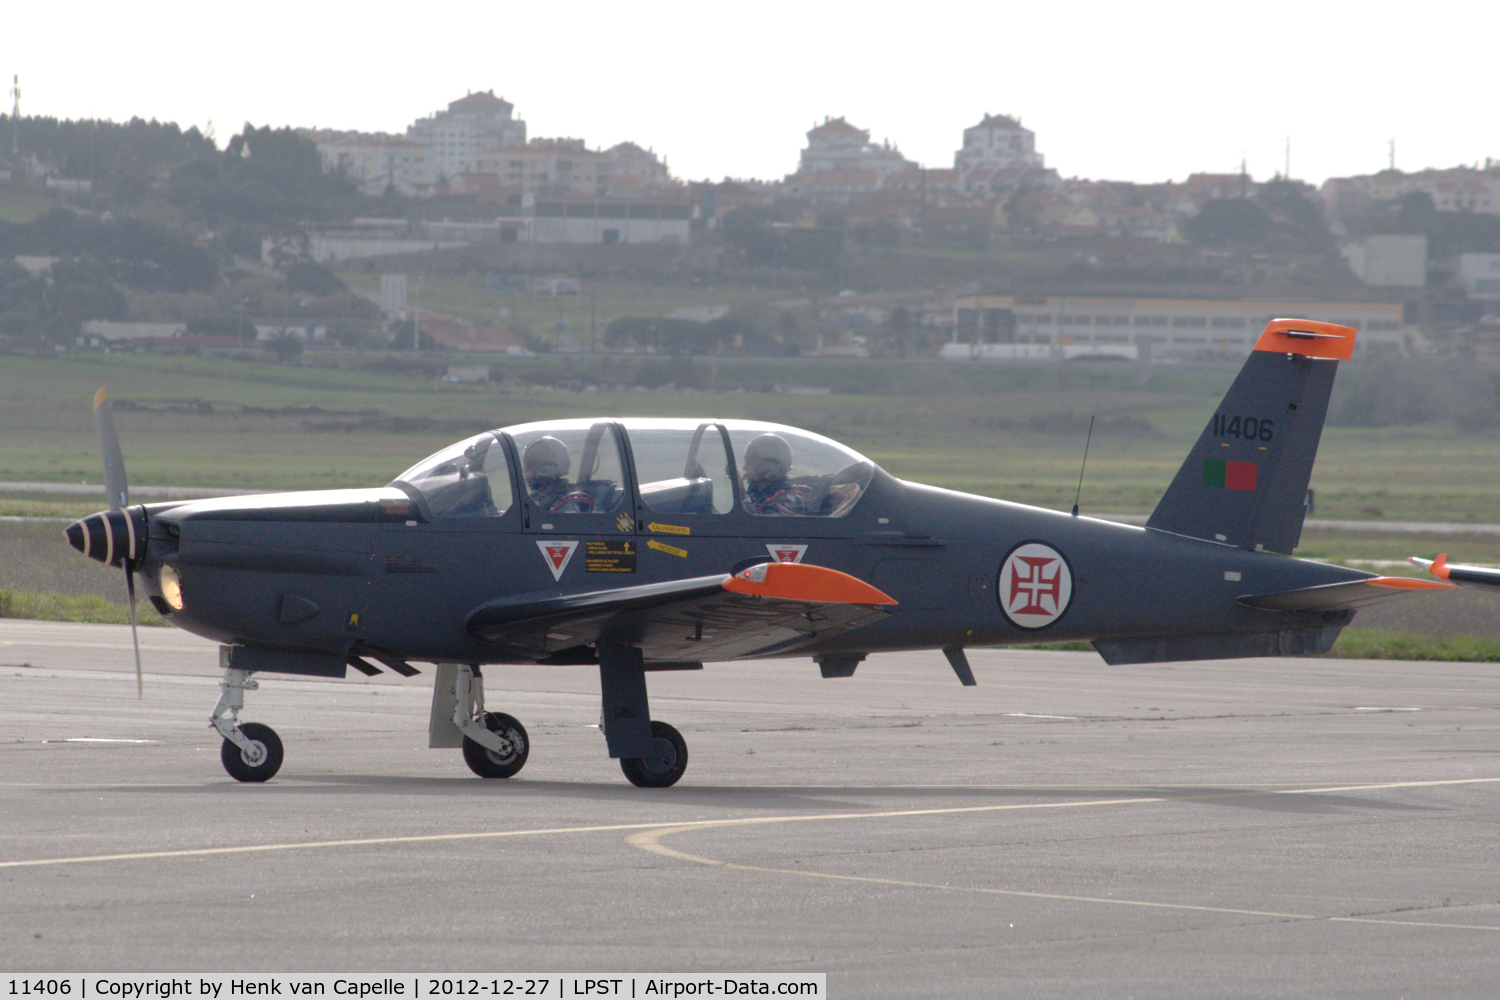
(99,398)
(804,582)
(1407,583)
(1309,338)
(1437,567)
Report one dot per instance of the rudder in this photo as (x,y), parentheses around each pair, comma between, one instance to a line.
(1245,481)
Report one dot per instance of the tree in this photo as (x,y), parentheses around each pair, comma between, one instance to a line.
(264,176)
(1230,220)
(313,278)
(1297,216)
(285,344)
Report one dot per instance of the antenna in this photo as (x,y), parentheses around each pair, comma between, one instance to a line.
(15,117)
(1086,442)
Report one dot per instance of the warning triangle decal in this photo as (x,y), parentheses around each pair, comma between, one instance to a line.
(786,553)
(558,555)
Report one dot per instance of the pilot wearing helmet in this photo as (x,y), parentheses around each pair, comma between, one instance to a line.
(768,462)
(545,464)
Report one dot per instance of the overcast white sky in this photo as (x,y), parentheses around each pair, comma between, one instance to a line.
(1144,91)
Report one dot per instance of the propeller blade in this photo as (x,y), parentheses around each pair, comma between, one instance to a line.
(117,490)
(115,487)
(135,639)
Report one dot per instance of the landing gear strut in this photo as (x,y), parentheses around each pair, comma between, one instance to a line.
(665,764)
(495,744)
(251,752)
(651,753)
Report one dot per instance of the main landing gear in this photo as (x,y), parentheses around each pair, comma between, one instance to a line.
(251,752)
(651,753)
(495,745)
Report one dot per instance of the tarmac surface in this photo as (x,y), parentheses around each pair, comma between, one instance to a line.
(1295,827)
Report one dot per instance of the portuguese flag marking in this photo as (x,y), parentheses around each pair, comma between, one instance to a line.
(1227,475)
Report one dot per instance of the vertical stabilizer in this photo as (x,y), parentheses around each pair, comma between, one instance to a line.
(1245,481)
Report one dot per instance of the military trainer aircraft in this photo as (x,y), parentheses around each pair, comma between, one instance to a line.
(639,545)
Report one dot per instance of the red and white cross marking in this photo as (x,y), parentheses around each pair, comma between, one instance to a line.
(557,554)
(1035,585)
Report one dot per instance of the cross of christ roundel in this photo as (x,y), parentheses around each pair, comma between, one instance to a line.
(1035,585)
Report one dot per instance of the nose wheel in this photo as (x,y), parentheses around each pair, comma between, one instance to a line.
(257,762)
(251,751)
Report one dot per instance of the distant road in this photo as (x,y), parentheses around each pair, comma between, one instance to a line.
(96,489)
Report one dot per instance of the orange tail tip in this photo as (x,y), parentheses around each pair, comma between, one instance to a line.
(1439,567)
(99,398)
(1309,338)
(804,582)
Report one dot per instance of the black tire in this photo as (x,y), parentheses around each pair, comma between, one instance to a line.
(489,764)
(662,769)
(241,769)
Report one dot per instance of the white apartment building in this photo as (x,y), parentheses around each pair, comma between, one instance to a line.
(546,166)
(1002,327)
(373,161)
(1459,189)
(628,167)
(472,124)
(1479,273)
(996,154)
(1388,261)
(840,160)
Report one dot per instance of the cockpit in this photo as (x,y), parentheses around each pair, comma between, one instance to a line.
(725,468)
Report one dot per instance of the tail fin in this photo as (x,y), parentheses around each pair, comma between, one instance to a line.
(1245,482)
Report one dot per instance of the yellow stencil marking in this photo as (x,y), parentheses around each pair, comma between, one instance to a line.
(670,550)
(670,529)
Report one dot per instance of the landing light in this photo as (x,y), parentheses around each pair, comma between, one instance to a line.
(171,586)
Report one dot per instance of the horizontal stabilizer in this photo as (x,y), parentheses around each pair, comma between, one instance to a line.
(1478,577)
(1344,596)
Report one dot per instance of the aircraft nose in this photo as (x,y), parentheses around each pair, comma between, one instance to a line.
(110,536)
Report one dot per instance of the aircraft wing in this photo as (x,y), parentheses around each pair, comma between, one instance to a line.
(1479,577)
(1343,596)
(768,609)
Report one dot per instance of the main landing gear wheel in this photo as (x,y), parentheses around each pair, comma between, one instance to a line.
(504,763)
(665,765)
(261,761)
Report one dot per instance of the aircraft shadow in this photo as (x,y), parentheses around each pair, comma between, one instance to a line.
(779,798)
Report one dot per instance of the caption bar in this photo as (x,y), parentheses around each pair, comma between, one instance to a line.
(408,986)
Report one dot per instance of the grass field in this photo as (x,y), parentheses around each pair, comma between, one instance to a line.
(22,206)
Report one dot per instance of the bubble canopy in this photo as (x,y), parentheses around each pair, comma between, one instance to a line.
(677,466)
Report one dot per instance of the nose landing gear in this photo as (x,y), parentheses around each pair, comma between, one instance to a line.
(252,751)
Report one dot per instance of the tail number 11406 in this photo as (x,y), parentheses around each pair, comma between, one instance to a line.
(1245,428)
